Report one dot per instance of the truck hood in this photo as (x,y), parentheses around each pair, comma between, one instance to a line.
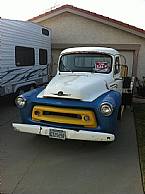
(82,87)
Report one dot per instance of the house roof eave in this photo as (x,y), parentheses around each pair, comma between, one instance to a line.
(92,16)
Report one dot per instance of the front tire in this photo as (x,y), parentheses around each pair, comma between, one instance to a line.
(119,116)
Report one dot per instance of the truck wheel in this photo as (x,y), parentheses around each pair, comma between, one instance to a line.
(119,116)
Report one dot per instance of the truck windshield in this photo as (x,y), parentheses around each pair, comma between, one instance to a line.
(86,62)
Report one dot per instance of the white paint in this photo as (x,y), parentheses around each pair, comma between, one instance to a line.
(110,51)
(84,86)
(70,134)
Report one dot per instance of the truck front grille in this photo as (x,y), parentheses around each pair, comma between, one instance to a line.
(78,117)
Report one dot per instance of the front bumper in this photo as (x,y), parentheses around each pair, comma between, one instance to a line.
(69,134)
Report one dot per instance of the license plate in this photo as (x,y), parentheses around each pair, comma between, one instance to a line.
(58,134)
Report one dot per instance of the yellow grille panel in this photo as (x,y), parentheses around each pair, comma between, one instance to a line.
(80,117)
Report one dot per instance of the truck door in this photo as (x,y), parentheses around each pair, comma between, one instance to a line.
(117,74)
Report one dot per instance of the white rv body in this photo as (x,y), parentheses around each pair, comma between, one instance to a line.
(18,38)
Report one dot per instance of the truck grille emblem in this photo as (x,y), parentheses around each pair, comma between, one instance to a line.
(60,93)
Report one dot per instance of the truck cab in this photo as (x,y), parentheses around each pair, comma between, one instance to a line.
(83,101)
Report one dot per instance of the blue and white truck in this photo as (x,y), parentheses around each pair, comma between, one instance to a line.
(25,56)
(83,101)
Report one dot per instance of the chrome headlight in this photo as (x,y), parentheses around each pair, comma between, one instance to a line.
(106,109)
(20,101)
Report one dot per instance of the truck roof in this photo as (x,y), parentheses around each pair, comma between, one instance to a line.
(91,49)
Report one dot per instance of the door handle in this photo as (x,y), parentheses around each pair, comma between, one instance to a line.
(116,79)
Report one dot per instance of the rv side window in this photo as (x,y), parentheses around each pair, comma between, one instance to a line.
(24,56)
(42,56)
(45,32)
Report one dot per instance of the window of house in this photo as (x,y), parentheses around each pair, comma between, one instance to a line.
(42,56)
(24,56)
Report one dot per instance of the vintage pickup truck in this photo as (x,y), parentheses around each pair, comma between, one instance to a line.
(83,101)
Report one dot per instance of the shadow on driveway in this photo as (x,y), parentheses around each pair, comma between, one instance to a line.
(36,164)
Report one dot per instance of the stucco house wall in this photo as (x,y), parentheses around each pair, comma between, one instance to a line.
(69,29)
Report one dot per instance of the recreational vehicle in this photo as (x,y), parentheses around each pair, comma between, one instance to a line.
(25,56)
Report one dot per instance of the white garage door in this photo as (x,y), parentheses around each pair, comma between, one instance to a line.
(129,60)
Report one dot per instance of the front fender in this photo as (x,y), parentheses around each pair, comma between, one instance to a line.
(108,123)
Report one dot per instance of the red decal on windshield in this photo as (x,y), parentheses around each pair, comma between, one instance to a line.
(101,65)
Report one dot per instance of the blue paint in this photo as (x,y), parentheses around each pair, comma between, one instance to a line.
(27,74)
(104,124)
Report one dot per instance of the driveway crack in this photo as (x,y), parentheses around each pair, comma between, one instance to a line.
(24,174)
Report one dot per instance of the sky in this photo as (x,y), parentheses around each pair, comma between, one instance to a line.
(128,11)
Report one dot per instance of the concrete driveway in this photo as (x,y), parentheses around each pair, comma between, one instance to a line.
(34,164)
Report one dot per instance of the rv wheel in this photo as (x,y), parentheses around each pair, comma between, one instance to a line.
(32,87)
(21,91)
